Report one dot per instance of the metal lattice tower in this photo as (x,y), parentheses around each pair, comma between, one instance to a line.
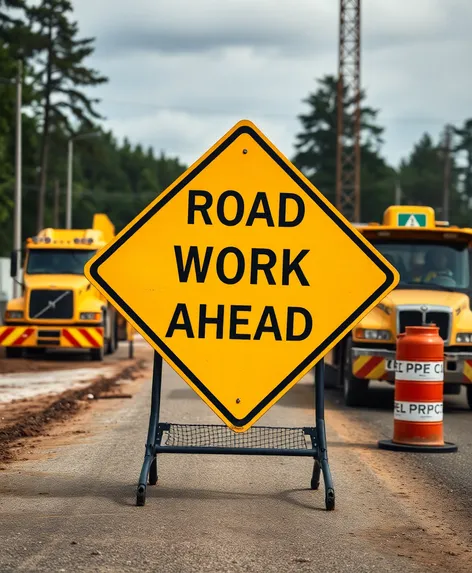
(348,153)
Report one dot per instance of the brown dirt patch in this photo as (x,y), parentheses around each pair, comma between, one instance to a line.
(24,419)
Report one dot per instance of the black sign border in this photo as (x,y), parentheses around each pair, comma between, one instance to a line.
(94,273)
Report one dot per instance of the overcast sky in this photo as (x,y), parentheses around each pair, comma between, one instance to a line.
(182,72)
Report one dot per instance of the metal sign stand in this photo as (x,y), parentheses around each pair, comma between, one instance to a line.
(219,439)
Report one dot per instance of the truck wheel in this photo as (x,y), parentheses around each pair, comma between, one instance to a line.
(116,331)
(469,395)
(452,389)
(332,370)
(97,354)
(355,389)
(12,352)
(112,339)
(106,332)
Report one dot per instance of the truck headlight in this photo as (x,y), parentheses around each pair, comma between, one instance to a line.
(371,334)
(464,337)
(90,316)
(14,314)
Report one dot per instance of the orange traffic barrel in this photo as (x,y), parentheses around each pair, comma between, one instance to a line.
(419,388)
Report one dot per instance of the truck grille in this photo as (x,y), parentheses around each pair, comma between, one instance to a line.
(51,304)
(415,318)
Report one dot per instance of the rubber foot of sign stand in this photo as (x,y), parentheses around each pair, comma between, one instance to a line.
(141,495)
(390,445)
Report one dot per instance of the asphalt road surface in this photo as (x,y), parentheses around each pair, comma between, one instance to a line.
(70,505)
(451,473)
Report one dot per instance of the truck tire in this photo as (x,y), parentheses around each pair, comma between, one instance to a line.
(332,377)
(97,354)
(116,330)
(469,395)
(355,389)
(112,341)
(12,352)
(452,389)
(106,332)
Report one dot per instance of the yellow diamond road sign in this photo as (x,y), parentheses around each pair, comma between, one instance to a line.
(241,275)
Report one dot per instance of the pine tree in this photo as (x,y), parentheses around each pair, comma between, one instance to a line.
(464,146)
(316,144)
(11,12)
(316,148)
(60,78)
(14,35)
(421,175)
(422,181)
(7,134)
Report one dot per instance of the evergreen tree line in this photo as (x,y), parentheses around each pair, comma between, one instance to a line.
(421,177)
(121,179)
(118,179)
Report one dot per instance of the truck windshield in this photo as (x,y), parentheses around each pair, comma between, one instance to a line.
(424,264)
(57,261)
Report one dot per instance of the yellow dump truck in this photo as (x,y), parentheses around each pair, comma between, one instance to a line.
(59,308)
(435,266)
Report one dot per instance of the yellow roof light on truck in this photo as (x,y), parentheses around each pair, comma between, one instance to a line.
(410,217)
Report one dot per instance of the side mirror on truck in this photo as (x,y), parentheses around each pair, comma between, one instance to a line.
(14,264)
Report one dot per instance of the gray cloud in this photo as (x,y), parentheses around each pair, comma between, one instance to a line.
(289,27)
(202,26)
(183,71)
(184,40)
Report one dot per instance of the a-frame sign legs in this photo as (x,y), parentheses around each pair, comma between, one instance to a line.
(256,441)
(321,435)
(150,458)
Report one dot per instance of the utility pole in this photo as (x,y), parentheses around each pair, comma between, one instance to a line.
(70,151)
(70,160)
(348,149)
(398,193)
(18,168)
(447,171)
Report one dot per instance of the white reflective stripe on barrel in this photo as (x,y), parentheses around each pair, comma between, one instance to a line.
(419,371)
(418,411)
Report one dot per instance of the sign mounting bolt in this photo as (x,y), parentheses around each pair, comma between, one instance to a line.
(238,400)
(244,151)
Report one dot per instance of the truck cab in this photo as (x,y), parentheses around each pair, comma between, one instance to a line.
(59,308)
(435,266)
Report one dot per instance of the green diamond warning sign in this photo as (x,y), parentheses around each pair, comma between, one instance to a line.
(411,220)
